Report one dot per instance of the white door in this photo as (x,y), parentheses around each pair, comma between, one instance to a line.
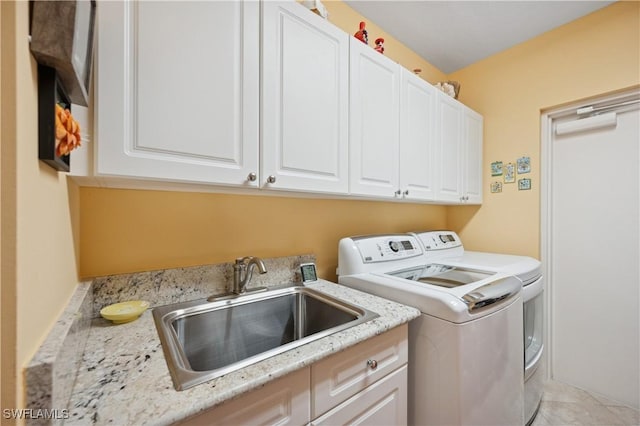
(418,165)
(374,126)
(593,251)
(177,101)
(449,143)
(305,99)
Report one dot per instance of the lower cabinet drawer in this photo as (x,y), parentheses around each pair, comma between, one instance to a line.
(286,401)
(341,376)
(383,403)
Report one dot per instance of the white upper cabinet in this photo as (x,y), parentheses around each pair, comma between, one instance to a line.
(177,91)
(267,95)
(473,128)
(418,165)
(459,152)
(449,141)
(305,101)
(374,122)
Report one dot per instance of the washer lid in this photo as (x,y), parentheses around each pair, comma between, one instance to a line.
(526,268)
(442,275)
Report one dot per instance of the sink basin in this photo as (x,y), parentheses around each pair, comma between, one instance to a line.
(203,340)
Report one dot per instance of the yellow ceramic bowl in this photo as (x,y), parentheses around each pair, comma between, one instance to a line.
(123,312)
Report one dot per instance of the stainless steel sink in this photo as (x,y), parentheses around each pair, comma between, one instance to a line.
(203,340)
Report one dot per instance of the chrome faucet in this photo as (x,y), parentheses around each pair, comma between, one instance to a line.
(242,271)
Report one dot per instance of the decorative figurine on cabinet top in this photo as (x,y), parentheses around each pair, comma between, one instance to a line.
(361,34)
(379,45)
(451,88)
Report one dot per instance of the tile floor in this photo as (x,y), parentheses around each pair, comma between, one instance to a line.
(566,405)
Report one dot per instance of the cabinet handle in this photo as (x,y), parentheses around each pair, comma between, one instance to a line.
(271,179)
(372,363)
(406,192)
(398,193)
(252,177)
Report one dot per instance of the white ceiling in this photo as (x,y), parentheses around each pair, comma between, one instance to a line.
(453,34)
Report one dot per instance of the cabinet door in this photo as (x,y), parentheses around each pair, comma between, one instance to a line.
(383,403)
(177,90)
(282,402)
(341,376)
(374,127)
(449,141)
(417,138)
(473,125)
(305,99)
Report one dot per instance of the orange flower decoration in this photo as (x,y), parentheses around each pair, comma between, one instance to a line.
(67,132)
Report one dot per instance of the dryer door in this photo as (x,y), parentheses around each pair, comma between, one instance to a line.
(533,326)
(533,349)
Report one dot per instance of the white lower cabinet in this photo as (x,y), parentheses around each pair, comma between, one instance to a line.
(282,402)
(343,375)
(365,384)
(383,403)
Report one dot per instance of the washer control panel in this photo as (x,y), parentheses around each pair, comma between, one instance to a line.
(439,240)
(389,247)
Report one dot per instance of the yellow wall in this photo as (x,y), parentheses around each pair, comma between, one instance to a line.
(39,268)
(8,212)
(596,54)
(127,230)
(7,293)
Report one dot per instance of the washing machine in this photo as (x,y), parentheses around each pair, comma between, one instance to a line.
(529,271)
(465,350)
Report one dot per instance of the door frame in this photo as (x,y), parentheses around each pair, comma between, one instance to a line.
(546,176)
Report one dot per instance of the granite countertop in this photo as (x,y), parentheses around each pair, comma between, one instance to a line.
(123,377)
